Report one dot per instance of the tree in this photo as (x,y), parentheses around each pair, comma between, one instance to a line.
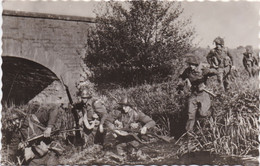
(136,42)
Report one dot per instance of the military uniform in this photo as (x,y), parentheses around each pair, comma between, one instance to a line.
(127,121)
(221,60)
(36,124)
(90,109)
(250,61)
(199,100)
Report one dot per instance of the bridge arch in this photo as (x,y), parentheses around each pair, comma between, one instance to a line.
(25,79)
(56,42)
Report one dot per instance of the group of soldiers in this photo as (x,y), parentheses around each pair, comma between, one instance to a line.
(95,123)
(104,127)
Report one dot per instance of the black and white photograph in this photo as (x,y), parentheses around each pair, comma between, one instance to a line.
(143,82)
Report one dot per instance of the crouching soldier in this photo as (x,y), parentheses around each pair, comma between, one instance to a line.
(128,118)
(199,100)
(92,115)
(37,143)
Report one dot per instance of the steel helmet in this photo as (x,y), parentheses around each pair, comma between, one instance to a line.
(249,49)
(124,102)
(192,59)
(86,93)
(219,40)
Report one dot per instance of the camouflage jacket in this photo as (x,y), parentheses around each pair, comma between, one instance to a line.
(219,58)
(93,106)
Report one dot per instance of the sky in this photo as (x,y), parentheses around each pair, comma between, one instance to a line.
(237,22)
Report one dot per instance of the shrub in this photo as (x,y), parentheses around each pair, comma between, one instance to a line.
(137,42)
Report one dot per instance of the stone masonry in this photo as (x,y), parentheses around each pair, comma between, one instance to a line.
(54,41)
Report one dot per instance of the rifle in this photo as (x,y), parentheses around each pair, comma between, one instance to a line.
(67,91)
(74,112)
(52,133)
(134,133)
(125,133)
(209,92)
(163,138)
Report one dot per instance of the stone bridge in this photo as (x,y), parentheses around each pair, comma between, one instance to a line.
(39,49)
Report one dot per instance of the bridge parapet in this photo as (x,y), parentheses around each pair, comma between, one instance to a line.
(54,41)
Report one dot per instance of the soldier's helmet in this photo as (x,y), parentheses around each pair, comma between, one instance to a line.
(192,59)
(124,102)
(85,93)
(249,49)
(219,41)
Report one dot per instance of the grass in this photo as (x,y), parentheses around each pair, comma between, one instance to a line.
(231,130)
(233,127)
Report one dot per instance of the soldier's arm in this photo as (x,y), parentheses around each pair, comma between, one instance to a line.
(100,109)
(244,60)
(209,56)
(230,56)
(184,74)
(182,82)
(53,116)
(113,115)
(209,71)
(255,59)
(149,122)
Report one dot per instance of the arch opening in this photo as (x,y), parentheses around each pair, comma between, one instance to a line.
(23,80)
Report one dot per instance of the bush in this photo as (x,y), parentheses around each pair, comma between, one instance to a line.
(137,42)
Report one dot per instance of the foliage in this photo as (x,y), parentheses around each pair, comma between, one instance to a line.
(160,101)
(137,42)
(233,127)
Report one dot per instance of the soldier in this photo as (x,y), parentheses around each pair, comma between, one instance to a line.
(220,59)
(195,76)
(36,141)
(250,61)
(92,113)
(128,117)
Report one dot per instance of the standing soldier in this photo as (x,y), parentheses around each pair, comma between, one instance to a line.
(37,144)
(127,117)
(220,59)
(250,61)
(92,113)
(195,76)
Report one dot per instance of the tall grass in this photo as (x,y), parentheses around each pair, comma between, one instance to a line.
(160,101)
(233,127)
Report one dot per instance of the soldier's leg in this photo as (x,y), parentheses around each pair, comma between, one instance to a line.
(247,70)
(227,77)
(205,104)
(192,109)
(220,76)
